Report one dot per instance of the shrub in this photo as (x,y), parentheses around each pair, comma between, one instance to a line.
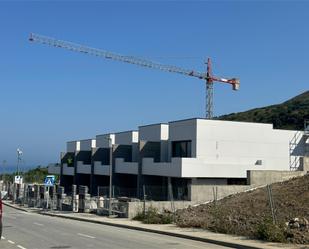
(267,230)
(152,216)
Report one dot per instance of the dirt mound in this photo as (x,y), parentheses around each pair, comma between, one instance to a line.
(250,214)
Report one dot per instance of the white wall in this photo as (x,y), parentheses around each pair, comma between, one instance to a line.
(126,138)
(102,141)
(68,170)
(83,168)
(87,144)
(126,167)
(154,133)
(226,142)
(224,149)
(73,146)
(100,169)
(183,130)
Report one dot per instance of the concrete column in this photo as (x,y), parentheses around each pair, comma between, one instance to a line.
(60,194)
(306,163)
(73,197)
(92,177)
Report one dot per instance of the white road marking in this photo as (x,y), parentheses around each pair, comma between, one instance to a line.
(2,237)
(85,235)
(21,247)
(38,224)
(11,242)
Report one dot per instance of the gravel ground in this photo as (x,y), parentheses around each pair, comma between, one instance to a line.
(249,213)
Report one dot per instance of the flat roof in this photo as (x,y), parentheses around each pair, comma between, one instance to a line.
(206,119)
(153,124)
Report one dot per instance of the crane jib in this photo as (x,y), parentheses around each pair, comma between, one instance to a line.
(144,63)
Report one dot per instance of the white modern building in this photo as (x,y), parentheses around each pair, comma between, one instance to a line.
(185,153)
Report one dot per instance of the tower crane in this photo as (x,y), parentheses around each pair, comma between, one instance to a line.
(208,77)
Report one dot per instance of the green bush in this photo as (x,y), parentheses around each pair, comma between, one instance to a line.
(152,216)
(267,230)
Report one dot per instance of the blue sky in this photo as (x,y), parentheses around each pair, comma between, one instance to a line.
(50,96)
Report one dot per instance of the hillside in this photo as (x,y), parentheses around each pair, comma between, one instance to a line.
(288,115)
(249,213)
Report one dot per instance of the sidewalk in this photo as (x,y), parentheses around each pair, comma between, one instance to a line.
(169,229)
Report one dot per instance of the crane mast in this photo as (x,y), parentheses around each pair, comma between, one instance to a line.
(207,77)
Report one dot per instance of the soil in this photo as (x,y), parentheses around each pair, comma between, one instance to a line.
(249,213)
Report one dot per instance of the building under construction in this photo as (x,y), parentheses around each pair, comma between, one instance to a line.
(190,156)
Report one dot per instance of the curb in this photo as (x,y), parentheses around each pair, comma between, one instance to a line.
(13,206)
(184,236)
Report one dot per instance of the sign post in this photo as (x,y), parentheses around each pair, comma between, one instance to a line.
(49,182)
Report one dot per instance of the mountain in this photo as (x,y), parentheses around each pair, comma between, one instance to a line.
(287,115)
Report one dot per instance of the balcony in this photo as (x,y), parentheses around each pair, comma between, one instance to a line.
(101,169)
(68,170)
(83,168)
(193,167)
(126,167)
(54,169)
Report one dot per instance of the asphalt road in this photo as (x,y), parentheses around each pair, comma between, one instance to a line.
(30,231)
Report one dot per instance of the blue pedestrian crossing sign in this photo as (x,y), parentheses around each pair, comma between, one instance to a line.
(49,180)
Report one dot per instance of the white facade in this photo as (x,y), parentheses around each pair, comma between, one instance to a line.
(83,168)
(73,146)
(218,149)
(69,171)
(154,133)
(54,169)
(100,169)
(87,144)
(102,141)
(224,149)
(126,138)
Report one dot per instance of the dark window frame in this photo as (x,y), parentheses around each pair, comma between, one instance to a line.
(182,148)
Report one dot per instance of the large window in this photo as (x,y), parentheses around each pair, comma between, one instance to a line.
(181,148)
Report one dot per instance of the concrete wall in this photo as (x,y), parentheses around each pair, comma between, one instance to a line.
(87,144)
(226,142)
(126,138)
(54,169)
(135,207)
(183,130)
(201,190)
(154,133)
(125,167)
(102,141)
(73,146)
(256,177)
(223,149)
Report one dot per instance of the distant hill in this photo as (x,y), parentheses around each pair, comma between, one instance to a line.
(288,115)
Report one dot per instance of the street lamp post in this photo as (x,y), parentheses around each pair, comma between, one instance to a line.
(19,154)
(3,167)
(110,174)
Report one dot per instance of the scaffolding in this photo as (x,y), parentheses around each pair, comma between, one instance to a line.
(299,147)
